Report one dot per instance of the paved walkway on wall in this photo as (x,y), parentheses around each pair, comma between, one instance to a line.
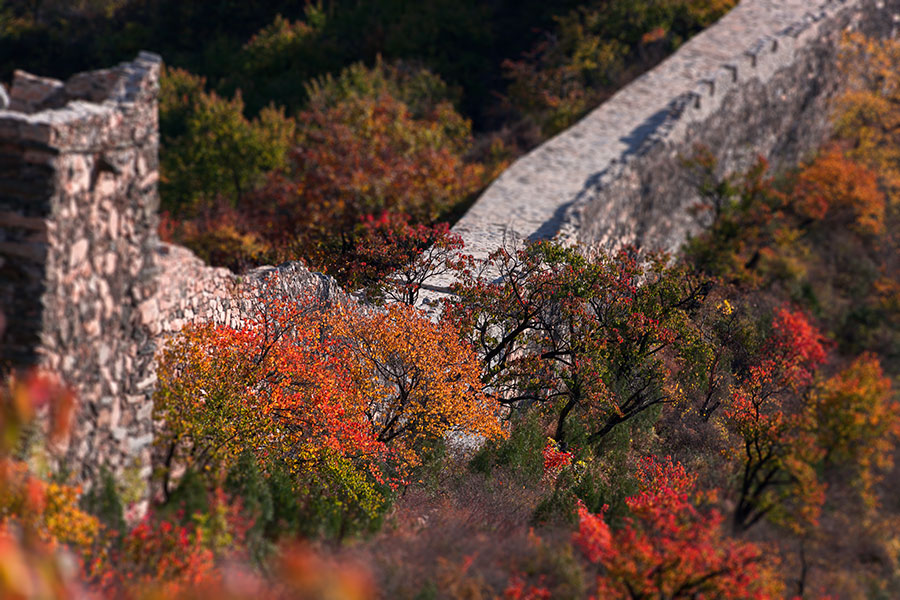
(531,198)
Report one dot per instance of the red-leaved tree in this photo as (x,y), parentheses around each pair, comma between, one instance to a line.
(667,548)
(777,453)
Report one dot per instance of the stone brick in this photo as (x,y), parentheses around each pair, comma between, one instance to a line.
(31,93)
(78,253)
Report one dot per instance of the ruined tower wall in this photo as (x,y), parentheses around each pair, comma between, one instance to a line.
(78,225)
(87,289)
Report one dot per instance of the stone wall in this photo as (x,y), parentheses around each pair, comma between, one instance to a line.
(78,221)
(192,292)
(756,83)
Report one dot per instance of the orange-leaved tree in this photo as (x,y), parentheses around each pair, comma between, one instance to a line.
(339,397)
(273,387)
(856,421)
(843,191)
(867,112)
(418,380)
(363,156)
(758,229)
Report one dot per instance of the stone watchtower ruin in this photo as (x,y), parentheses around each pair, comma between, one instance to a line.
(78,233)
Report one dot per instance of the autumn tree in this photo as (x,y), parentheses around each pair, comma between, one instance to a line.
(758,230)
(583,337)
(277,61)
(418,380)
(46,511)
(423,92)
(274,387)
(380,143)
(210,150)
(342,400)
(819,236)
(777,456)
(669,548)
(393,259)
(842,191)
(867,113)
(856,420)
(365,156)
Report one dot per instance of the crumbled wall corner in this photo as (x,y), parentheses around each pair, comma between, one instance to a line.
(78,217)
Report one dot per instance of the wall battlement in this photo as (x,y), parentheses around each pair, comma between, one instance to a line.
(758,82)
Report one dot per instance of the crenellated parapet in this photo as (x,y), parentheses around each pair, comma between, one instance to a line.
(757,83)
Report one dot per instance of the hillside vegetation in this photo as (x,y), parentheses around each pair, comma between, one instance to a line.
(723,423)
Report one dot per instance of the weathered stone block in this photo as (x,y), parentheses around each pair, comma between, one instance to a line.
(31,93)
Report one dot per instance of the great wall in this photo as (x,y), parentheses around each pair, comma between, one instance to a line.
(88,290)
